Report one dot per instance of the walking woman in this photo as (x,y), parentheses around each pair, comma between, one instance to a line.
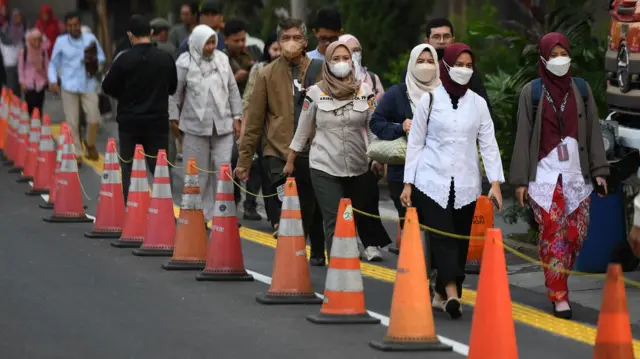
(12,40)
(442,164)
(270,52)
(558,152)
(338,110)
(211,104)
(393,117)
(50,26)
(33,62)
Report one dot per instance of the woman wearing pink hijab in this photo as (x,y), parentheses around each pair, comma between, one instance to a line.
(33,62)
(362,73)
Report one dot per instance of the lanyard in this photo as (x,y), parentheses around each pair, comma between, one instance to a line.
(555,111)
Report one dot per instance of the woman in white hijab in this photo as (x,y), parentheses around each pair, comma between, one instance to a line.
(211,112)
(392,117)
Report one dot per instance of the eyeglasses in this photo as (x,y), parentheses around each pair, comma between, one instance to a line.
(441,37)
(298,38)
(328,39)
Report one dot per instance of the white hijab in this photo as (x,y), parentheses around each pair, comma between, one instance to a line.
(416,88)
(213,69)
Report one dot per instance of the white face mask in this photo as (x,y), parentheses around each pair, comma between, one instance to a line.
(424,72)
(340,69)
(558,66)
(357,63)
(459,75)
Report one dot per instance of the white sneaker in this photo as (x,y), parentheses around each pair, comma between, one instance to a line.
(373,254)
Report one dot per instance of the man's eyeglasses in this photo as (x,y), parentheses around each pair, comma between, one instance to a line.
(297,38)
(441,37)
(328,39)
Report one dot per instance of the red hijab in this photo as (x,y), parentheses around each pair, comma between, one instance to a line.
(451,54)
(558,87)
(49,27)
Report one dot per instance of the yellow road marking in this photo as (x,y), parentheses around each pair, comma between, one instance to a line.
(522,313)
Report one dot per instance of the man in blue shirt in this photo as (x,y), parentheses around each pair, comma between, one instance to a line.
(210,15)
(327,28)
(76,67)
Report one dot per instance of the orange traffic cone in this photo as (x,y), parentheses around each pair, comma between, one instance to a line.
(224,257)
(396,249)
(64,128)
(12,131)
(613,339)
(190,249)
(22,138)
(30,162)
(344,291)
(291,283)
(493,292)
(161,222)
(45,160)
(68,206)
(482,220)
(411,326)
(110,212)
(135,220)
(4,121)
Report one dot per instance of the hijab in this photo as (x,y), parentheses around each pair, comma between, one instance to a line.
(266,56)
(558,87)
(451,54)
(339,89)
(415,87)
(34,52)
(15,31)
(360,71)
(49,27)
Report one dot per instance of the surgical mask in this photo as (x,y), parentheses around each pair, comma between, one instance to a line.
(424,72)
(558,66)
(340,69)
(357,63)
(291,49)
(459,75)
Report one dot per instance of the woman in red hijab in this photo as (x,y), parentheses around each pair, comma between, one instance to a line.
(558,154)
(50,26)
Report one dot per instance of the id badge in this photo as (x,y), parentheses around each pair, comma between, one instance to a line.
(563,152)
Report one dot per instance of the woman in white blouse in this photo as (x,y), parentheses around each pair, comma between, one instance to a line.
(211,112)
(338,109)
(442,164)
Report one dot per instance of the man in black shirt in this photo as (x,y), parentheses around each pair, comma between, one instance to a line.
(141,79)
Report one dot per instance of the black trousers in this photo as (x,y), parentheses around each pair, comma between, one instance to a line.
(371,230)
(271,203)
(152,142)
(311,215)
(34,99)
(449,254)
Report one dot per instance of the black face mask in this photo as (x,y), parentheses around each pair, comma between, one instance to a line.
(440,53)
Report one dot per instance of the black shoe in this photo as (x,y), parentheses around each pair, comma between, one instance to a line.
(317,261)
(453,307)
(251,214)
(563,314)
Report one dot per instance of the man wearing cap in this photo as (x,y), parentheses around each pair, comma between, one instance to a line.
(141,79)
(210,15)
(160,35)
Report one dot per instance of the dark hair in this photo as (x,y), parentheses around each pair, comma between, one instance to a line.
(273,37)
(439,22)
(233,27)
(328,18)
(139,26)
(194,7)
(72,15)
(290,23)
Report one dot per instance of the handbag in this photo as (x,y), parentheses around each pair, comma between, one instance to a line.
(393,152)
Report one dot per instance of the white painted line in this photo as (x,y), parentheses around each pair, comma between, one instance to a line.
(458,347)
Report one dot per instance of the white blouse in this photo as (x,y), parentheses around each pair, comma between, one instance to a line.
(574,188)
(447,149)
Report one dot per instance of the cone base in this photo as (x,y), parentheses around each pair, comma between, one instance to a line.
(24,179)
(37,191)
(394,250)
(179,265)
(119,243)
(57,219)
(393,346)
(16,170)
(266,298)
(103,235)
(342,319)
(472,268)
(147,252)
(46,205)
(224,277)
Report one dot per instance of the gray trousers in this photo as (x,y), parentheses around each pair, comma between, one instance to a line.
(210,153)
(329,190)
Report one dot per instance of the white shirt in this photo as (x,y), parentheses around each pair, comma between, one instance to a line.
(447,148)
(315,55)
(574,187)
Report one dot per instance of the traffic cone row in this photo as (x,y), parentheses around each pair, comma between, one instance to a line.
(148,223)
(33,142)
(21,138)
(4,121)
